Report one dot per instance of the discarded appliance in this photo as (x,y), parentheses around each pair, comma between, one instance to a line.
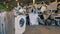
(20,24)
(34,18)
(20,21)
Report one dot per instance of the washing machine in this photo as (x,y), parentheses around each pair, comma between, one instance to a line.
(20,24)
(33,19)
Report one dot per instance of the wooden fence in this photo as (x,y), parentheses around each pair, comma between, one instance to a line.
(9,23)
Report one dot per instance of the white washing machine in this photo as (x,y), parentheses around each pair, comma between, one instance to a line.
(33,19)
(20,24)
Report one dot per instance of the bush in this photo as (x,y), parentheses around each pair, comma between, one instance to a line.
(2,7)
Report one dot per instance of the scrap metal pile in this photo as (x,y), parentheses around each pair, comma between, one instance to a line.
(38,16)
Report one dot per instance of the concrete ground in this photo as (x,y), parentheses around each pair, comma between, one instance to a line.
(42,30)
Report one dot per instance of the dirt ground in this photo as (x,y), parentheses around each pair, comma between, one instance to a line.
(42,30)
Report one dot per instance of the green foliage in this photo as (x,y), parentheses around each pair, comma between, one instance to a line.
(2,7)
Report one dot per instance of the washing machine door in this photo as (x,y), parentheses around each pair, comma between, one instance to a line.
(21,22)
